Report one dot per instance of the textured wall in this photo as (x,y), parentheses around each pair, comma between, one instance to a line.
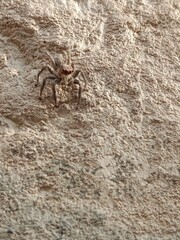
(110,170)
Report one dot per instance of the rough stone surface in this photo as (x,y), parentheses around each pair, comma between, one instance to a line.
(110,170)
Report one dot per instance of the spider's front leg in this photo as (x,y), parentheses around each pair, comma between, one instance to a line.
(53,78)
(79,93)
(76,73)
(55,94)
(51,59)
(50,69)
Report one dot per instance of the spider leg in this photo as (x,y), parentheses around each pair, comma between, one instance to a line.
(49,68)
(51,59)
(76,73)
(44,83)
(55,94)
(70,81)
(80,92)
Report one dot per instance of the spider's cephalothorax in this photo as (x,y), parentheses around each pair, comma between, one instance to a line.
(61,74)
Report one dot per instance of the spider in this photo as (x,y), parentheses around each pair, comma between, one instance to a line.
(61,74)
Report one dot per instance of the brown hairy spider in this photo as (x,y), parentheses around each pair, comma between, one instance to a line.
(61,74)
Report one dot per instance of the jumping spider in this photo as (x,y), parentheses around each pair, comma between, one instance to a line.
(63,74)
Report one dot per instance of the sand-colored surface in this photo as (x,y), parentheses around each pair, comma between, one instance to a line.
(110,170)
